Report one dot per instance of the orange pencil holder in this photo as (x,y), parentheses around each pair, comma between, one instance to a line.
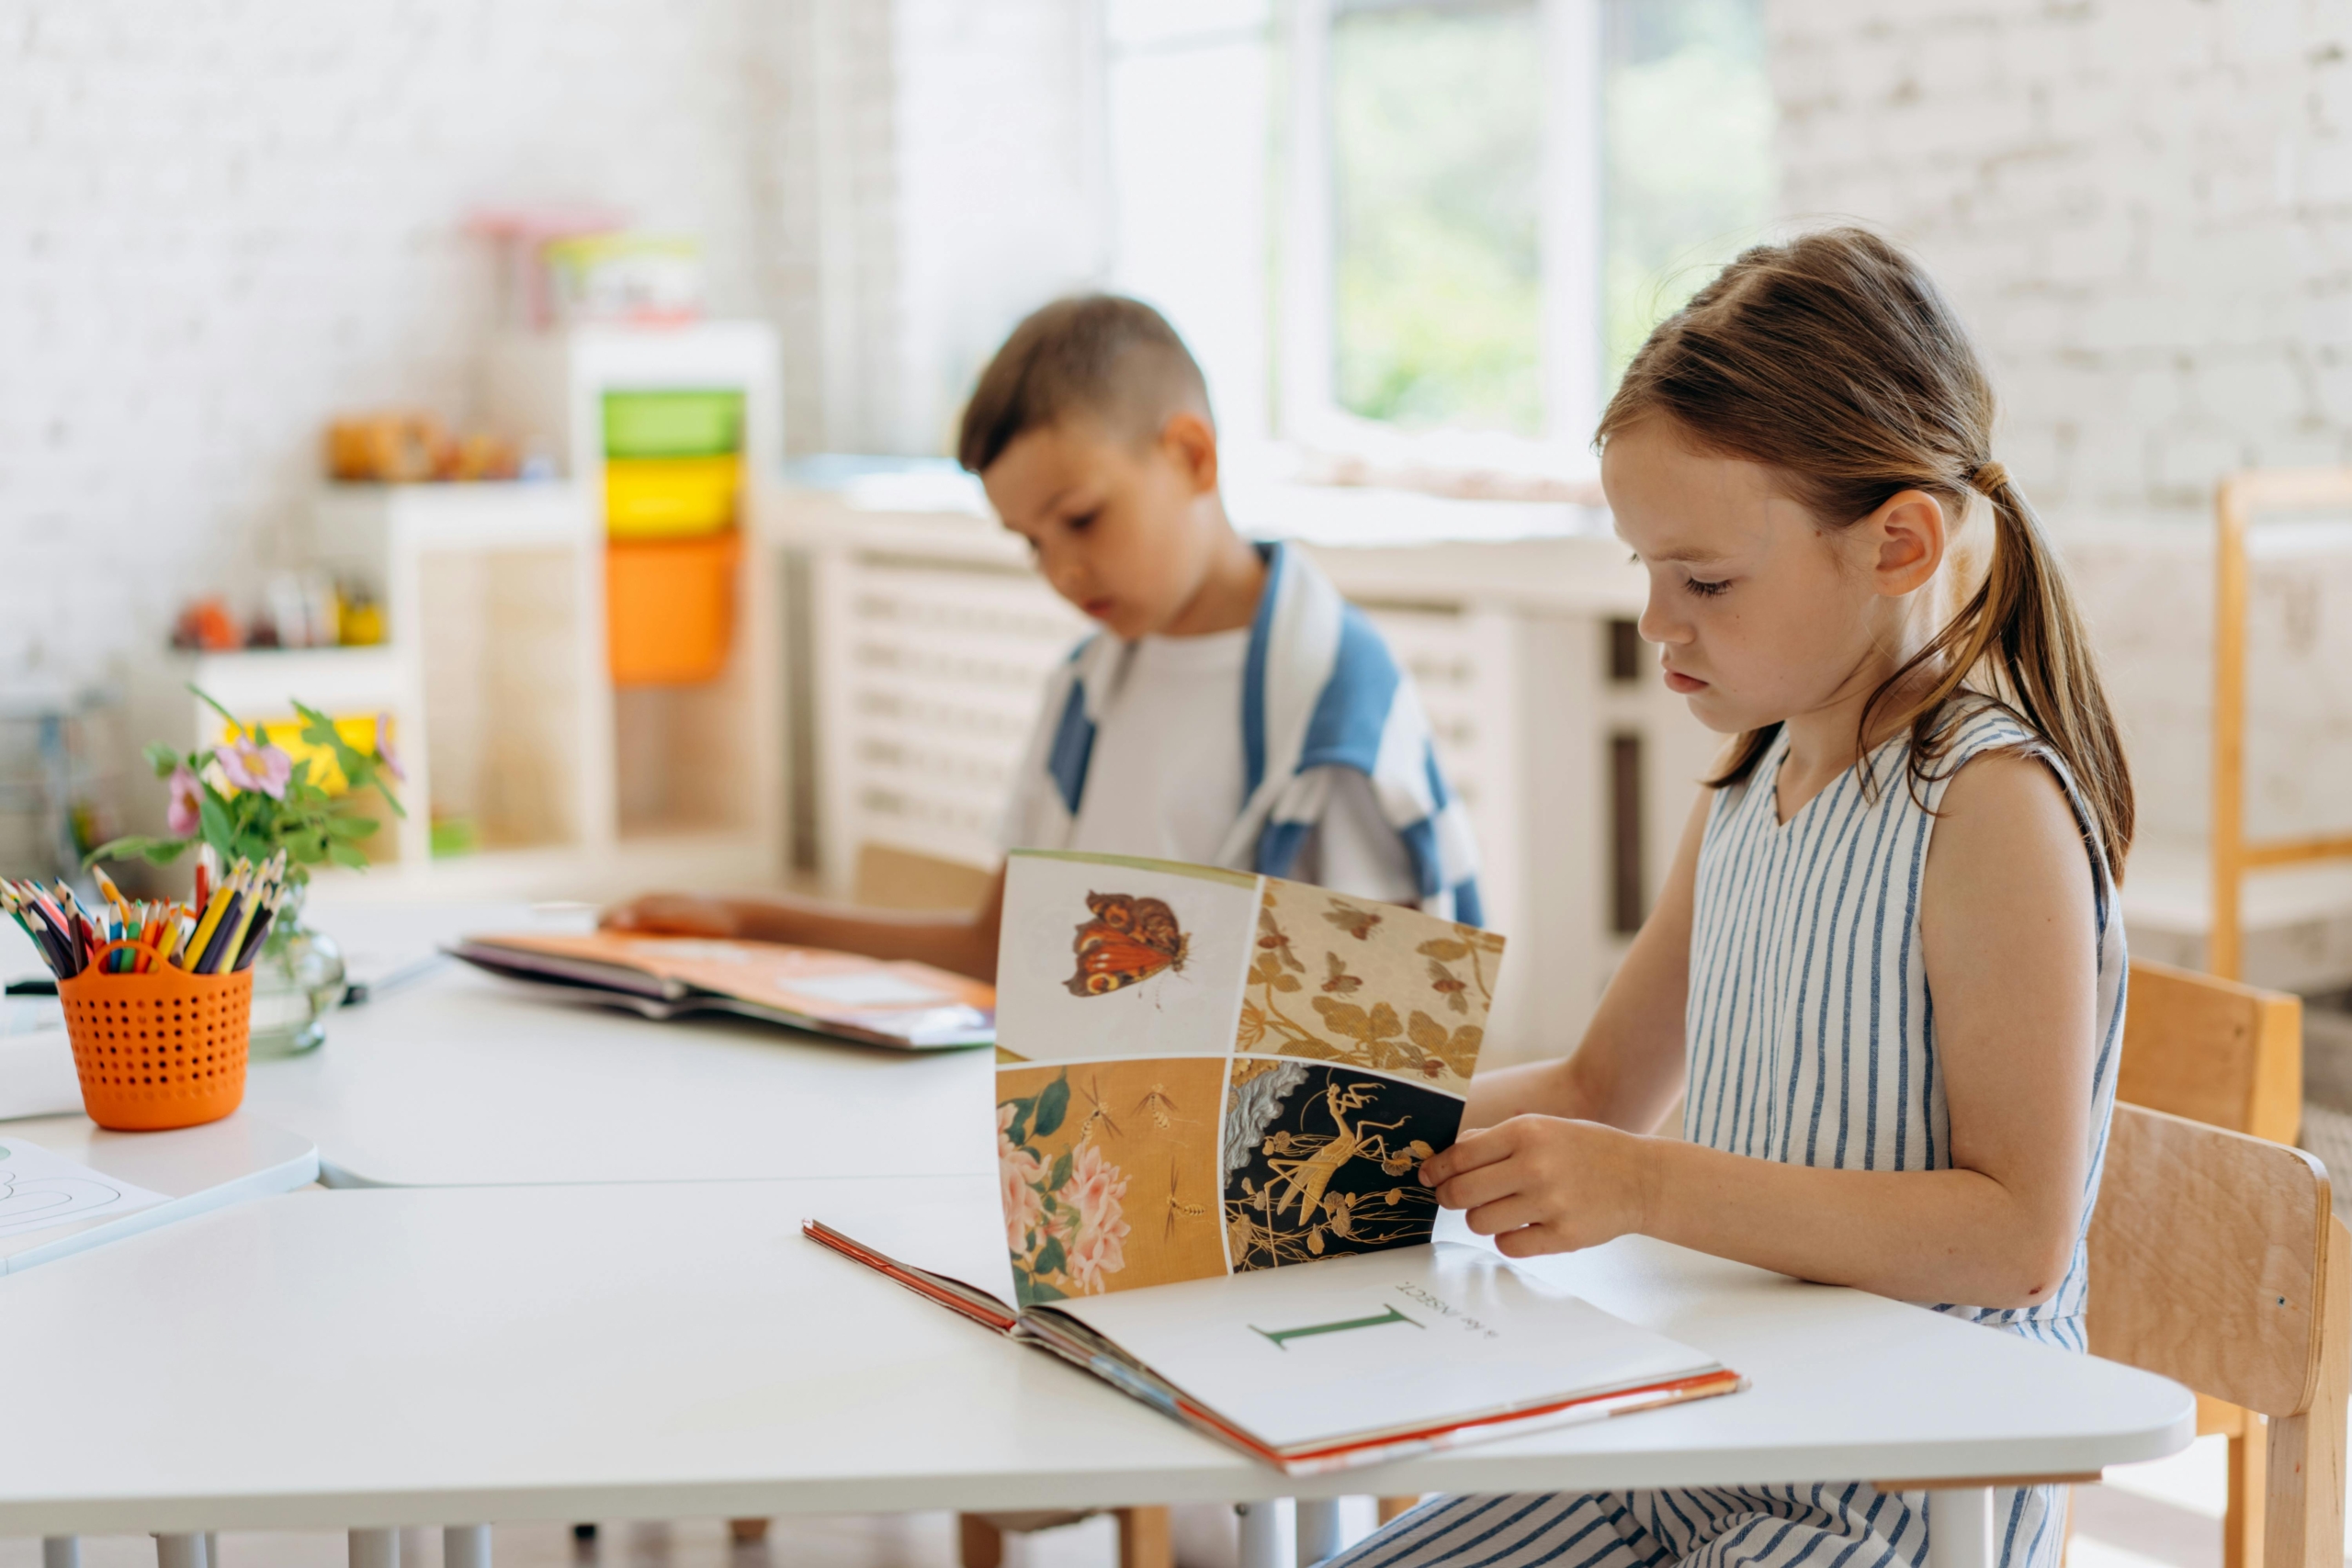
(163,1049)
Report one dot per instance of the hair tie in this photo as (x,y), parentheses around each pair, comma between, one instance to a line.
(1987,476)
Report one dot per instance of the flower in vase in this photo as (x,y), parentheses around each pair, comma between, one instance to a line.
(384,753)
(185,813)
(248,766)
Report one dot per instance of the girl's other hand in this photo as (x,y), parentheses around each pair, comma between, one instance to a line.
(673,914)
(1541,1184)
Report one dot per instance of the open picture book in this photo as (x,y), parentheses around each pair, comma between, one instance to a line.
(910,1006)
(1213,1091)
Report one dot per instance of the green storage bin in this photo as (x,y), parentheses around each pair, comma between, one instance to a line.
(673,425)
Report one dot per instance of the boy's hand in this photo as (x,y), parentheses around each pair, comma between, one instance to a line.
(1543,1184)
(673,914)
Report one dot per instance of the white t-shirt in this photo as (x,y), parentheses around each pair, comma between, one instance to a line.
(1166,773)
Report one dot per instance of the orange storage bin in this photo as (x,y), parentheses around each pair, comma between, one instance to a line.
(669,606)
(165,1049)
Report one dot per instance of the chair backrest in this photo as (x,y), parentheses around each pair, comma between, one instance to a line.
(2216,1260)
(2214,1051)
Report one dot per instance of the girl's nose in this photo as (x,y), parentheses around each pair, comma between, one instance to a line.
(1658,623)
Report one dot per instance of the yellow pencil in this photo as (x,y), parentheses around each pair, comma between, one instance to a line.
(105,885)
(236,938)
(215,910)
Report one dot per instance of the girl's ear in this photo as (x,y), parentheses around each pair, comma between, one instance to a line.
(1908,538)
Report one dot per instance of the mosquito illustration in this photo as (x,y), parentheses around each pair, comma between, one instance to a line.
(1092,1089)
(1177,1208)
(1160,1107)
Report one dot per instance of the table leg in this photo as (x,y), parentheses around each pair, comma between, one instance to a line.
(1268,1537)
(179,1551)
(1318,1529)
(61,1552)
(1960,1528)
(371,1549)
(465,1546)
(211,1548)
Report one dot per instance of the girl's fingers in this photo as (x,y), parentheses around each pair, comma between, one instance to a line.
(1487,1184)
(1471,1151)
(1513,1212)
(1533,1241)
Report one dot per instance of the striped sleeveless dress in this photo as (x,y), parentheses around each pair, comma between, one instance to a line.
(1811,1038)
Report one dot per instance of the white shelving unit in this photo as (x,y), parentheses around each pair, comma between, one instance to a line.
(495,668)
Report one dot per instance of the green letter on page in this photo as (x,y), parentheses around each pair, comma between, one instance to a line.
(1278,1334)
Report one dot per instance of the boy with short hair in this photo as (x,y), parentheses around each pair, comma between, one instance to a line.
(1233,711)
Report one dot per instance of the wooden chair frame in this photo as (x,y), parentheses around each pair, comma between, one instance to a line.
(2238,503)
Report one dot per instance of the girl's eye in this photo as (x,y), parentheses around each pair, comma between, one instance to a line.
(1706,590)
(1079,524)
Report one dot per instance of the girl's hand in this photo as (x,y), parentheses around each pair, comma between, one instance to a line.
(674,914)
(1543,1184)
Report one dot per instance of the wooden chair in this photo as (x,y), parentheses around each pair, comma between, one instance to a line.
(2217,1261)
(2229,1055)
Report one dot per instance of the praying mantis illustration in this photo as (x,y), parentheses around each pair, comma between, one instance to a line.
(1304,1180)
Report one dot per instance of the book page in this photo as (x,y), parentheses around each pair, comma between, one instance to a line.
(38,1190)
(1202,1073)
(1392,1342)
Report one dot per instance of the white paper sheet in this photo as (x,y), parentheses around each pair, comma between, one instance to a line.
(38,1190)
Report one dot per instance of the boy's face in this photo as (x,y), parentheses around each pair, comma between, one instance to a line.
(1126,531)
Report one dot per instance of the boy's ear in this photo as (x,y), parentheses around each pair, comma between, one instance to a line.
(1910,538)
(1189,442)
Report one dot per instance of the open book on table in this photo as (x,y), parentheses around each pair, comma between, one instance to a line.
(911,1005)
(1213,1091)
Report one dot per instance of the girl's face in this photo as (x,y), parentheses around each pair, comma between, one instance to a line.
(1760,613)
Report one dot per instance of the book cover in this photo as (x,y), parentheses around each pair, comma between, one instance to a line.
(1204,1072)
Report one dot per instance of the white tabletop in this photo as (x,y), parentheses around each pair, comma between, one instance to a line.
(192,1169)
(463,1080)
(332,1360)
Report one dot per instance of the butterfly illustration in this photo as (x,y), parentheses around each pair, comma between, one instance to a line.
(1127,941)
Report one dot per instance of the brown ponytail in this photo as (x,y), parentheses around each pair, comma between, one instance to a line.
(1836,360)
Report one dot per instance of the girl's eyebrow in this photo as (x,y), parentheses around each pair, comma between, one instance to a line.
(1687,556)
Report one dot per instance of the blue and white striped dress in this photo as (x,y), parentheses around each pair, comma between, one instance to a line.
(1811,1039)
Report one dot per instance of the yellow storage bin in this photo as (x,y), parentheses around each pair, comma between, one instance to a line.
(670,498)
(669,606)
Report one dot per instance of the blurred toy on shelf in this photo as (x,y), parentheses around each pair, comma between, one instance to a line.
(634,279)
(204,625)
(397,447)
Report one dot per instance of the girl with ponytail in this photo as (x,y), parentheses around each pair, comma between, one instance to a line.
(1885,975)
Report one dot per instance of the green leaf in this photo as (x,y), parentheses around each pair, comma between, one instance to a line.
(163,757)
(351,827)
(218,832)
(210,701)
(1038,1291)
(1018,1132)
(1051,1258)
(343,854)
(1053,1105)
(1059,1175)
(155,851)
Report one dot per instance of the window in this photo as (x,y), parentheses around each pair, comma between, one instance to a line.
(1435,229)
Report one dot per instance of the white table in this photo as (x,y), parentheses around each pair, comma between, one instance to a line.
(380,1358)
(463,1080)
(194,1168)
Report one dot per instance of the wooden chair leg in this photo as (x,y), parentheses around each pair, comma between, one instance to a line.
(1396,1507)
(1145,1539)
(2242,1517)
(2303,1471)
(747,1532)
(980,1545)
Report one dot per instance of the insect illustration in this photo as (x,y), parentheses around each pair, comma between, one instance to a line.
(1340,982)
(1127,941)
(1092,1089)
(1160,1107)
(1304,1180)
(1177,1208)
(1357,923)
(1443,982)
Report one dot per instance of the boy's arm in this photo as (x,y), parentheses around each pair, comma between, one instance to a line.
(1629,1066)
(965,943)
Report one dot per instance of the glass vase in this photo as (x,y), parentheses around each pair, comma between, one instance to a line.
(298,980)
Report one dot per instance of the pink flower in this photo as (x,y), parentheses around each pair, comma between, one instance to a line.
(384,753)
(185,815)
(1093,1192)
(248,766)
(1017,1172)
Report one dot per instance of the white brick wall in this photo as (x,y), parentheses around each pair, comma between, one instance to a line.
(2144,209)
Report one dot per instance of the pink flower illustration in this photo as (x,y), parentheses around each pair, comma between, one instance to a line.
(185,813)
(1017,1172)
(1092,1193)
(384,753)
(248,766)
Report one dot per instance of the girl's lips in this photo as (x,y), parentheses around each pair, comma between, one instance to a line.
(1676,680)
(1098,608)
